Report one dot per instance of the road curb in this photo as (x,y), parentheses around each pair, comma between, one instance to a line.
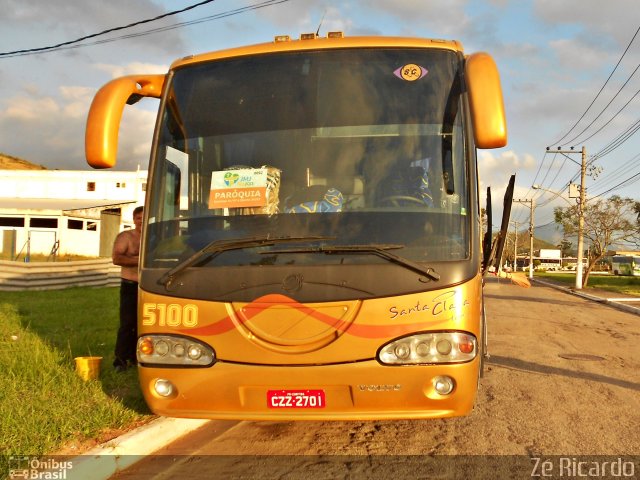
(104,461)
(605,301)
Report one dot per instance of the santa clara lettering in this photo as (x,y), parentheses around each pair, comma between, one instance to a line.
(443,303)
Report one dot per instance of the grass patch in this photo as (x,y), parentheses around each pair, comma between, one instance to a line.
(619,284)
(44,405)
(41,257)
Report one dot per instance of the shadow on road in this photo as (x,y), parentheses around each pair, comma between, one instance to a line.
(523,365)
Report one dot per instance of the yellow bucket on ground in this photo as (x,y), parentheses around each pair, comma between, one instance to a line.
(88,367)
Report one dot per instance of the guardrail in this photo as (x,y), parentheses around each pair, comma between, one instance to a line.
(100,272)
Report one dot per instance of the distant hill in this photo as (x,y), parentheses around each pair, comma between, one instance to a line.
(550,232)
(7,162)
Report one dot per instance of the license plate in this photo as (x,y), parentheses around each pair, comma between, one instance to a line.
(296,398)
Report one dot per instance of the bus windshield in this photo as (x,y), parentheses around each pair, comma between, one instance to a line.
(353,147)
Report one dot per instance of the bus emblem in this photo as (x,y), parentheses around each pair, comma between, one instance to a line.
(411,72)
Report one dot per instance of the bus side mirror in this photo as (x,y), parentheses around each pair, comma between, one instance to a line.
(485,99)
(103,121)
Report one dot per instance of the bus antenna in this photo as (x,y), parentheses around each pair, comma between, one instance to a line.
(321,20)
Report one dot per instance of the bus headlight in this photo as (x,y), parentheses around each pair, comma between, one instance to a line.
(429,348)
(175,351)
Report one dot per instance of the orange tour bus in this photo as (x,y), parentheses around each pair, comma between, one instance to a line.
(312,240)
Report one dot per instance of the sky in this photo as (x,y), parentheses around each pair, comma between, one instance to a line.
(568,72)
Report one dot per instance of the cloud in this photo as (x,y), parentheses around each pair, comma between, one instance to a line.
(42,130)
(76,100)
(49,130)
(495,169)
(574,53)
(136,132)
(596,17)
(411,17)
(132,68)
(23,109)
(300,16)
(420,18)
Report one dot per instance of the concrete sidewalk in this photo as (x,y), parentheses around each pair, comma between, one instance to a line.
(116,455)
(624,303)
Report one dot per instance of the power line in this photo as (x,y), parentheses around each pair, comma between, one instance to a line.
(573,140)
(614,176)
(624,183)
(619,140)
(229,13)
(538,172)
(612,118)
(599,92)
(93,35)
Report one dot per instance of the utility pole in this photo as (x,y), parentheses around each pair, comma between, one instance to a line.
(581,203)
(515,245)
(532,206)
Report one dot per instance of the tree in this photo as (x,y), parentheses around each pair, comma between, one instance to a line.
(606,222)
(565,247)
(636,209)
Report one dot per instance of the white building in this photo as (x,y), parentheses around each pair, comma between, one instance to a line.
(66,212)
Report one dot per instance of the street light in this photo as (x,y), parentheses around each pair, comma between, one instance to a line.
(579,267)
(555,194)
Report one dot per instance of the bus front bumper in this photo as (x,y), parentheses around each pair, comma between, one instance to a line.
(354,391)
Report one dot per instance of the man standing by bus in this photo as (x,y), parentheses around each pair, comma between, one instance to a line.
(126,250)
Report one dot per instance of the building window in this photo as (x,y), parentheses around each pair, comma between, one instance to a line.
(11,221)
(91,186)
(92,226)
(43,223)
(75,224)
(144,186)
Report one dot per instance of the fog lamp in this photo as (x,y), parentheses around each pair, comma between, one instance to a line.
(443,385)
(163,387)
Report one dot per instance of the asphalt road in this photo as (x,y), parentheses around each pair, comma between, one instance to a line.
(562,386)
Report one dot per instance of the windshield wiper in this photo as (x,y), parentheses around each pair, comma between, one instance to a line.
(381,250)
(216,247)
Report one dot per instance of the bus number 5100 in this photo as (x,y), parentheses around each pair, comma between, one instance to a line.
(171,315)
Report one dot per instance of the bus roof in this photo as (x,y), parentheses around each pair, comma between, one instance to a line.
(314,43)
